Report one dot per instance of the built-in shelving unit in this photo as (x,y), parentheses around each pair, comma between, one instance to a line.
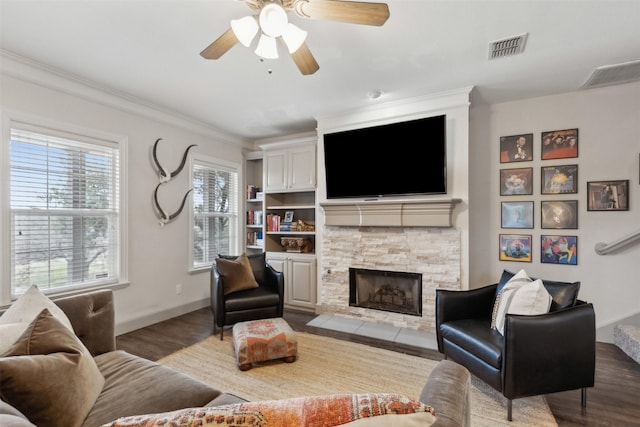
(301,206)
(254,204)
(289,179)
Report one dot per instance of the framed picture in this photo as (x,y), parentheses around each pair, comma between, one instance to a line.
(560,214)
(559,144)
(517,214)
(516,148)
(515,247)
(608,195)
(288,216)
(559,179)
(516,181)
(559,249)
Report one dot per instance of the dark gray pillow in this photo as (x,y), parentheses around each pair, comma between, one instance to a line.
(564,294)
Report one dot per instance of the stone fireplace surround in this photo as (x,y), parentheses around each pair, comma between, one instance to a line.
(385,243)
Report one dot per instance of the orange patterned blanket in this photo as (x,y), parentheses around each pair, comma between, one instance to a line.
(313,411)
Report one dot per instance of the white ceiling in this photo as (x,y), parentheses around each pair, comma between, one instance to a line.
(150,50)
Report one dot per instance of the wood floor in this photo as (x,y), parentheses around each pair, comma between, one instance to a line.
(614,401)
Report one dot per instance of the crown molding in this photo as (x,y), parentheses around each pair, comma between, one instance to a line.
(31,71)
(399,110)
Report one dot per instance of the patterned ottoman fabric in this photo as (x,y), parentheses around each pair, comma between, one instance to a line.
(261,340)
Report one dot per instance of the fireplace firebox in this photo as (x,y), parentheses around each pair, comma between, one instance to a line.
(394,291)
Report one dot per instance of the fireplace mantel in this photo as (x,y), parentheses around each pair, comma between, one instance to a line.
(390,213)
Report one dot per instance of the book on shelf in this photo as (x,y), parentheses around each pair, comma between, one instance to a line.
(252,192)
(259,195)
(254,238)
(254,217)
(273,222)
(285,226)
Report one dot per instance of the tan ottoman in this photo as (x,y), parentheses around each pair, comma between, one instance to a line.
(265,339)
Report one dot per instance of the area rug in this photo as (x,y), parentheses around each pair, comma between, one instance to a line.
(327,366)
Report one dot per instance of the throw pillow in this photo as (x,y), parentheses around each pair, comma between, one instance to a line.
(49,375)
(564,294)
(258,264)
(313,411)
(237,274)
(521,278)
(9,333)
(29,305)
(529,299)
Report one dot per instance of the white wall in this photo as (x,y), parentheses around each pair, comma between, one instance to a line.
(158,257)
(608,120)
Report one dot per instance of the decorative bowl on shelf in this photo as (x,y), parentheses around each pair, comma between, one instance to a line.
(296,244)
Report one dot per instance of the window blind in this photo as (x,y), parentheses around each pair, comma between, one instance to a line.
(215,212)
(64,195)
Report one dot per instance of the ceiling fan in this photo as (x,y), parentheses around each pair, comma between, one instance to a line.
(271,19)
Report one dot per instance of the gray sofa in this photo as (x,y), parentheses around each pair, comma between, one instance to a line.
(134,385)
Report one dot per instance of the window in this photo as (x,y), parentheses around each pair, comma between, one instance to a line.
(215,211)
(64,210)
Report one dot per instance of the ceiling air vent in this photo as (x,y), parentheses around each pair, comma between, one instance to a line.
(507,47)
(614,74)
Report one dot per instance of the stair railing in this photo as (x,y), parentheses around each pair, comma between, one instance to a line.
(605,249)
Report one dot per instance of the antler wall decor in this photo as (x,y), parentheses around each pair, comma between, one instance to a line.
(164,218)
(165,177)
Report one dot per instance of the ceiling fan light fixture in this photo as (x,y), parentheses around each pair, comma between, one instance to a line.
(273,20)
(245,29)
(294,37)
(267,47)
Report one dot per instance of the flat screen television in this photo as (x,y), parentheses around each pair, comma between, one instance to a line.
(396,159)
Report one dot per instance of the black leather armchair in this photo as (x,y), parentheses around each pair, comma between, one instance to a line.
(265,301)
(538,354)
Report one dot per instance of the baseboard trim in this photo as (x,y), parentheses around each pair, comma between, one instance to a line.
(144,321)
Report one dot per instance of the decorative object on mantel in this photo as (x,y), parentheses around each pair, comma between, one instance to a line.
(296,244)
(163,175)
(164,218)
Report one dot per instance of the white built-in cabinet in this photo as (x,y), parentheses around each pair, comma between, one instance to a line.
(290,169)
(289,179)
(300,278)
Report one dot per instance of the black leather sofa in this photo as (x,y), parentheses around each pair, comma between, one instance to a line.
(538,354)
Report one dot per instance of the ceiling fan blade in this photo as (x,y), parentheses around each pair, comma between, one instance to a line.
(219,47)
(354,12)
(304,60)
